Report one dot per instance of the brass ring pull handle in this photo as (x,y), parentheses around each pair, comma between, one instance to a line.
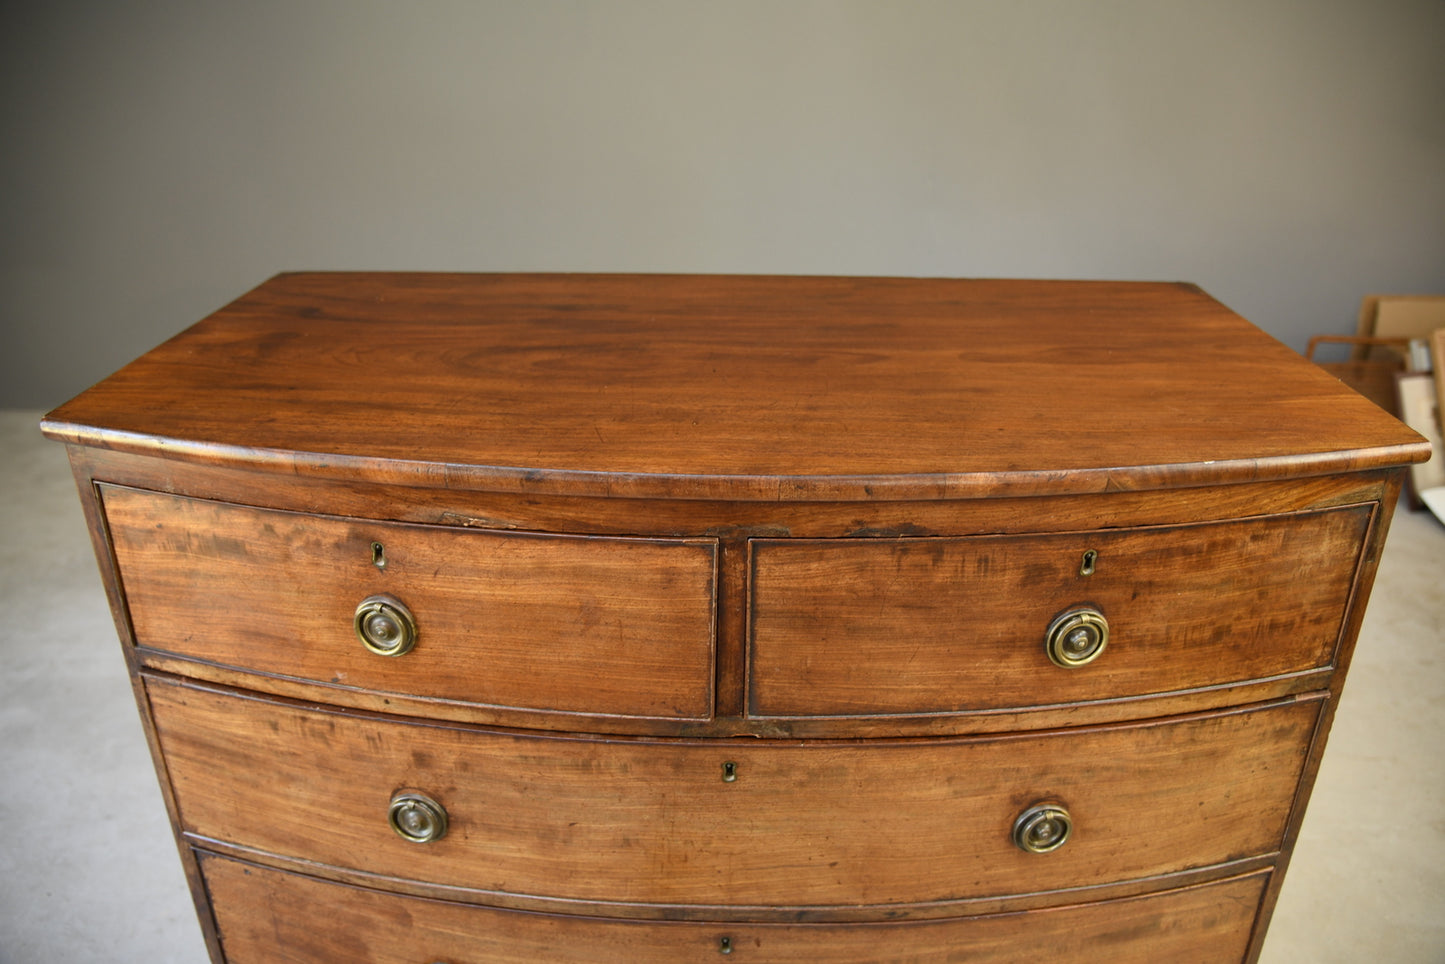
(1076,637)
(1042,828)
(385,626)
(417,817)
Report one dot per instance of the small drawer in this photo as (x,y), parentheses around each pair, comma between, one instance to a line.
(713,823)
(265,915)
(604,626)
(874,627)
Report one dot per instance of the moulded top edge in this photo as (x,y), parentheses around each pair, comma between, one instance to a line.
(742,487)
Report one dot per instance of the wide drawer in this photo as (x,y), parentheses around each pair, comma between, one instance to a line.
(863,627)
(606,626)
(771,824)
(265,916)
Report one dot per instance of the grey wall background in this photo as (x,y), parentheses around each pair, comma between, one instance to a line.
(161,158)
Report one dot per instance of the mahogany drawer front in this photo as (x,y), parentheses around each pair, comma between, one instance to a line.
(605,626)
(653,822)
(859,627)
(265,916)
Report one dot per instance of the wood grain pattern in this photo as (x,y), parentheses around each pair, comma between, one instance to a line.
(268,917)
(803,826)
(604,626)
(737,388)
(812,527)
(729,520)
(888,626)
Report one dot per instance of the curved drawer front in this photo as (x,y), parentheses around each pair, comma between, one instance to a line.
(606,626)
(265,915)
(860,627)
(786,825)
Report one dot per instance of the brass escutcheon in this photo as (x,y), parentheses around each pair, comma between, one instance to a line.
(1042,828)
(385,626)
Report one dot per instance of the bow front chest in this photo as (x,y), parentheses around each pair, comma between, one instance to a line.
(660,618)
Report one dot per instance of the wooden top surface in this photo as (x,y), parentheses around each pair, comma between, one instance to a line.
(752,388)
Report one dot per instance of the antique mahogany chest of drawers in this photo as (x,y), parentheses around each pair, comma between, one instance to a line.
(657,618)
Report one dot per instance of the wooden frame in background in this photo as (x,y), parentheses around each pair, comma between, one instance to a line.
(1398,316)
(1419,409)
(1437,356)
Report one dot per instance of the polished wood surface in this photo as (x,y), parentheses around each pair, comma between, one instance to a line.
(267,917)
(801,827)
(867,627)
(728,521)
(737,388)
(813,528)
(581,624)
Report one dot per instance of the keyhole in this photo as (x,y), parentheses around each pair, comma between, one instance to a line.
(1086,568)
(725,946)
(378,555)
(730,772)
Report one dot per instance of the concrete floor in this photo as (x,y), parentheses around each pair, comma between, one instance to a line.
(88,870)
